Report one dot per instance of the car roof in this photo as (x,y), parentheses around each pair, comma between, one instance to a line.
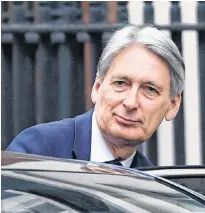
(21,161)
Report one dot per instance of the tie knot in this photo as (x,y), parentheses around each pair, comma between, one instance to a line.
(114,162)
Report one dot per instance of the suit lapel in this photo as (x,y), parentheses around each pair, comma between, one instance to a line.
(82,142)
(140,160)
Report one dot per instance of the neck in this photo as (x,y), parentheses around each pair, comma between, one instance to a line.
(120,150)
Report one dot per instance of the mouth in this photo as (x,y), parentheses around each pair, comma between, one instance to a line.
(127,121)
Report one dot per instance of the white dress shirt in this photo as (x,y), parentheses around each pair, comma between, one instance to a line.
(99,150)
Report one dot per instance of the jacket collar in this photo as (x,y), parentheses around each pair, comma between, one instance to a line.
(82,142)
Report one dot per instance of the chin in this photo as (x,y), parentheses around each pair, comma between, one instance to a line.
(129,136)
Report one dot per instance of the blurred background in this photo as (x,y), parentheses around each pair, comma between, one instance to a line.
(49,54)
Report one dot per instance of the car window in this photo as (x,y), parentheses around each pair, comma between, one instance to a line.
(192,177)
(195,183)
(42,192)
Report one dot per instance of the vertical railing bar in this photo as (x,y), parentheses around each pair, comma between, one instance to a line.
(201,64)
(6,96)
(112,12)
(79,86)
(179,120)
(66,71)
(22,86)
(7,89)
(45,74)
(87,65)
(44,96)
(22,80)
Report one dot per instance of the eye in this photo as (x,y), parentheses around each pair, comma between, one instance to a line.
(120,83)
(151,89)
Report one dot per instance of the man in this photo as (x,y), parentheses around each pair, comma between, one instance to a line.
(139,82)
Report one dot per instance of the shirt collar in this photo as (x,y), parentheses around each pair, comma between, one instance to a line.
(99,150)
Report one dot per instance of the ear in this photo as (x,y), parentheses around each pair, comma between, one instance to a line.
(174,107)
(94,93)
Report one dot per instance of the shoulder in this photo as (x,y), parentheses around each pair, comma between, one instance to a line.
(55,127)
(45,139)
(51,130)
(51,139)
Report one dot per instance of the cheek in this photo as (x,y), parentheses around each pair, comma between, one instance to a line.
(109,99)
(106,104)
(154,111)
(154,106)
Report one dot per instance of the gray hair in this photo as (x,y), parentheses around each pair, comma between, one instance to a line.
(155,41)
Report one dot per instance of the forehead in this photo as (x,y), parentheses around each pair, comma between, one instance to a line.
(137,62)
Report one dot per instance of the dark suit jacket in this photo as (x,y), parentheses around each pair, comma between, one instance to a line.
(68,138)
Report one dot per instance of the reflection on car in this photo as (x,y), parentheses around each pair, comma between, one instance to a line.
(35,184)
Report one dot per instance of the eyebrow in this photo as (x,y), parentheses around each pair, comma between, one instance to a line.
(125,77)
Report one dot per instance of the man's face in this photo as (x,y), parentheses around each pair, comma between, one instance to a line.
(134,96)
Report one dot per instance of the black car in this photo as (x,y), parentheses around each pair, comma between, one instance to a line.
(34,184)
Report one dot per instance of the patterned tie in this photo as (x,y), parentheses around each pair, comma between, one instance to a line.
(114,162)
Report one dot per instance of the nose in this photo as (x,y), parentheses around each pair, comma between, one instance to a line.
(131,100)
